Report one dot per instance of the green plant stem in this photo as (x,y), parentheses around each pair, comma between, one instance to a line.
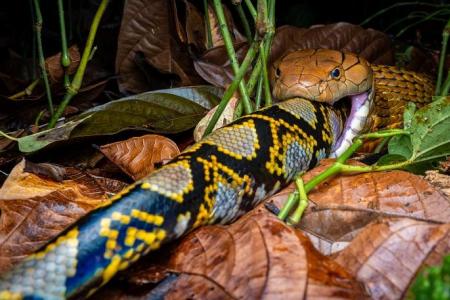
(232,88)
(428,17)
(446,86)
(302,203)
(267,91)
(445,34)
(209,43)
(8,136)
(77,80)
(33,47)
(38,29)
(27,91)
(244,21)
(251,8)
(65,57)
(255,75)
(258,95)
(339,165)
(232,54)
(399,4)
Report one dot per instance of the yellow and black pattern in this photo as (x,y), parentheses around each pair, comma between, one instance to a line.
(214,181)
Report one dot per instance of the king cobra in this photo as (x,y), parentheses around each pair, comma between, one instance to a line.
(330,96)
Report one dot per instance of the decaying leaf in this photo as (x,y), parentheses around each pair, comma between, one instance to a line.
(257,257)
(149,53)
(387,255)
(341,207)
(217,39)
(54,67)
(225,118)
(138,156)
(34,209)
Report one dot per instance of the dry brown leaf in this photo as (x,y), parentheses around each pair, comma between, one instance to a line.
(373,45)
(441,181)
(257,257)
(225,118)
(217,39)
(34,209)
(214,65)
(149,46)
(340,207)
(138,156)
(55,69)
(387,255)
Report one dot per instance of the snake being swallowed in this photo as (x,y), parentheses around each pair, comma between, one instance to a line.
(329,99)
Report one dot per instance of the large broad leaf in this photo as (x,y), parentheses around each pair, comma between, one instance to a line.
(162,111)
(373,45)
(429,141)
(152,48)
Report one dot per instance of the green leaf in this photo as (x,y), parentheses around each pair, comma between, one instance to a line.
(401,145)
(430,126)
(164,111)
(408,115)
(390,159)
(429,141)
(34,142)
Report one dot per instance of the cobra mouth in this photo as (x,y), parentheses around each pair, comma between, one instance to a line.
(359,106)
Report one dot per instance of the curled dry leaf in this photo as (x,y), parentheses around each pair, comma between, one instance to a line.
(35,209)
(149,47)
(214,65)
(257,257)
(138,156)
(341,207)
(225,118)
(373,45)
(387,255)
(55,69)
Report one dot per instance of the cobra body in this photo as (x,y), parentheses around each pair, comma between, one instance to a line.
(214,181)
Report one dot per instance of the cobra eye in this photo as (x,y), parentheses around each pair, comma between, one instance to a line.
(277,73)
(336,73)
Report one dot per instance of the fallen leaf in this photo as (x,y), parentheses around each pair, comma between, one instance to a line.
(387,255)
(138,156)
(147,30)
(162,111)
(35,209)
(257,257)
(340,207)
(373,45)
(215,67)
(55,69)
(37,141)
(217,39)
(226,117)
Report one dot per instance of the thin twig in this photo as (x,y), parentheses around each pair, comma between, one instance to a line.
(77,80)
(38,30)
(445,34)
(65,57)
(232,54)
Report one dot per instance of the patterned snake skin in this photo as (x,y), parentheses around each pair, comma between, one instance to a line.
(214,181)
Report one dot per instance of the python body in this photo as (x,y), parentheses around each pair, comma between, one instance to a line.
(214,181)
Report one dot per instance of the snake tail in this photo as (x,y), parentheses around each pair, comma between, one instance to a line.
(214,181)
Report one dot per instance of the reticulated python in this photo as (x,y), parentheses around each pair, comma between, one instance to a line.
(224,175)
